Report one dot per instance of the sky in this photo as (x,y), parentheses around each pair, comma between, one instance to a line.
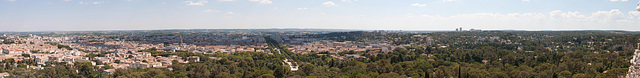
(88,15)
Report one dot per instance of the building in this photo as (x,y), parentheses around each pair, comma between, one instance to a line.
(172,48)
(279,38)
(155,64)
(109,71)
(15,51)
(475,30)
(42,59)
(194,58)
(4,75)
(139,65)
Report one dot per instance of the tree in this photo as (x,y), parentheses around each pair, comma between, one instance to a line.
(200,71)
(26,55)
(266,76)
(22,73)
(282,71)
(224,75)
(174,62)
(35,51)
(580,75)
(178,74)
(154,72)
(427,74)
(121,72)
(87,69)
(161,76)
(566,73)
(307,69)
(606,75)
(362,76)
(546,74)
(390,75)
(262,72)
(22,66)
(106,66)
(619,71)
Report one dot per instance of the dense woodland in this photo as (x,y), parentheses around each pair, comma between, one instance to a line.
(489,54)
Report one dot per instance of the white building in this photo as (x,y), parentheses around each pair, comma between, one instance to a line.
(4,74)
(15,51)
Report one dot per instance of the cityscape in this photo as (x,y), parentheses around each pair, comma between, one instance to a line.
(319,39)
(319,53)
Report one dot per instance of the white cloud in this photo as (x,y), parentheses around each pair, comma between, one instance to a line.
(618,0)
(98,2)
(94,3)
(634,15)
(323,13)
(67,0)
(200,2)
(11,0)
(328,4)
(448,0)
(558,14)
(410,15)
(303,8)
(262,1)
(348,0)
(209,11)
(525,0)
(553,20)
(608,16)
(265,2)
(230,13)
(225,0)
(418,4)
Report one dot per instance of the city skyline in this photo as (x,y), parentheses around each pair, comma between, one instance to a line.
(87,15)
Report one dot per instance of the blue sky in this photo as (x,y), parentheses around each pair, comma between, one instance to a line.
(83,15)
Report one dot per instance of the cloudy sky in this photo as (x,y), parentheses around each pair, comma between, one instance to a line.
(82,15)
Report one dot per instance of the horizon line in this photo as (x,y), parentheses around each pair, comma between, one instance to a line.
(414,30)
